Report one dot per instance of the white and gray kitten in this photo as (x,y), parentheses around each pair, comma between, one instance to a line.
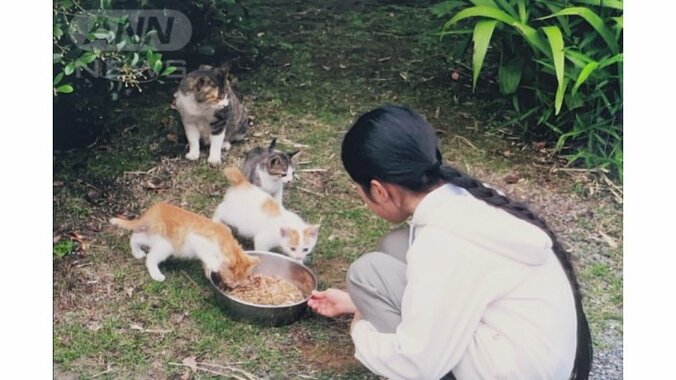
(269,169)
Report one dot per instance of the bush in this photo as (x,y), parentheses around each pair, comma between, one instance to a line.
(561,64)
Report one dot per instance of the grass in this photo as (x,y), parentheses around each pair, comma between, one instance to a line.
(312,83)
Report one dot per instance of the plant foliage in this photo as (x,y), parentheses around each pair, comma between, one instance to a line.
(560,62)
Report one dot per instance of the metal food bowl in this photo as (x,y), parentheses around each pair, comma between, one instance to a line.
(272,264)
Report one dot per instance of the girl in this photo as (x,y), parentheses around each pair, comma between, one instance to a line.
(477,288)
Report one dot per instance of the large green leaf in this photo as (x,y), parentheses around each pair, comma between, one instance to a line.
(584,74)
(555,39)
(560,92)
(530,34)
(594,20)
(483,30)
(509,76)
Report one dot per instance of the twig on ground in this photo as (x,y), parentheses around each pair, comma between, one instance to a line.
(311,192)
(230,368)
(463,139)
(191,280)
(109,369)
(317,170)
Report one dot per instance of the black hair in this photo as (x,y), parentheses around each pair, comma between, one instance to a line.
(396,145)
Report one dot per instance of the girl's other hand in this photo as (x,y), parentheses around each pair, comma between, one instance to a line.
(331,303)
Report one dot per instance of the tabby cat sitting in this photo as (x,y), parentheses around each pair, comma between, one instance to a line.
(210,111)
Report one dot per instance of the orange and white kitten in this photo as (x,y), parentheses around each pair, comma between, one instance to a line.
(256,214)
(169,230)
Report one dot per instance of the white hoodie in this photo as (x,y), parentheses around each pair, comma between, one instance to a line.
(485,297)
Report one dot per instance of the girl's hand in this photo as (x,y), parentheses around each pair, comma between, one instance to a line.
(331,303)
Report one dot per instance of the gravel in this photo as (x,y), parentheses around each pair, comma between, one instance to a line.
(609,358)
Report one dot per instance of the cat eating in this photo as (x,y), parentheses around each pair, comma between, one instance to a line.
(210,111)
(172,231)
(255,214)
(269,169)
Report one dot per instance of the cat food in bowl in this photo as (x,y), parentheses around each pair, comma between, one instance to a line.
(277,295)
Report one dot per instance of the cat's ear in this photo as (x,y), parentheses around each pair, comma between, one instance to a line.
(312,230)
(283,232)
(294,153)
(272,144)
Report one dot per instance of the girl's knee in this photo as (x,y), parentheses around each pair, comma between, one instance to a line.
(363,268)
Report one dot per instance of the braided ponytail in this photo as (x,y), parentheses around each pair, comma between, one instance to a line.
(396,145)
(583,354)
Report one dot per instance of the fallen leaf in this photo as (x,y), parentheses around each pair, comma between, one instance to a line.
(403,75)
(84,246)
(539,145)
(191,362)
(185,375)
(136,326)
(326,68)
(342,66)
(58,183)
(455,75)
(507,153)
(129,291)
(511,179)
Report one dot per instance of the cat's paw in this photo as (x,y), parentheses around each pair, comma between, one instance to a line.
(192,156)
(214,160)
(157,276)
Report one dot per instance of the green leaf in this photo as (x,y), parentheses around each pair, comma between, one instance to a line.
(484,3)
(508,8)
(134,60)
(87,58)
(69,68)
(157,66)
(523,13)
(609,61)
(594,20)
(529,34)
(509,76)
(555,39)
(619,22)
(584,74)
(168,71)
(483,30)
(65,89)
(57,32)
(57,57)
(615,4)
(58,78)
(558,100)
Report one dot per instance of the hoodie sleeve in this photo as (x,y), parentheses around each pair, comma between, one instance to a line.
(443,303)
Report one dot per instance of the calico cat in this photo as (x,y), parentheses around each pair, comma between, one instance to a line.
(210,111)
(269,169)
(255,214)
(169,230)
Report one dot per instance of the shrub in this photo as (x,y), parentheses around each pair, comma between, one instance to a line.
(561,64)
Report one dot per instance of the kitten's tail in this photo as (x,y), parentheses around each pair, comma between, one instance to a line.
(235,176)
(134,225)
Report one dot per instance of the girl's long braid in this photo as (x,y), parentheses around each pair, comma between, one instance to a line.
(583,355)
